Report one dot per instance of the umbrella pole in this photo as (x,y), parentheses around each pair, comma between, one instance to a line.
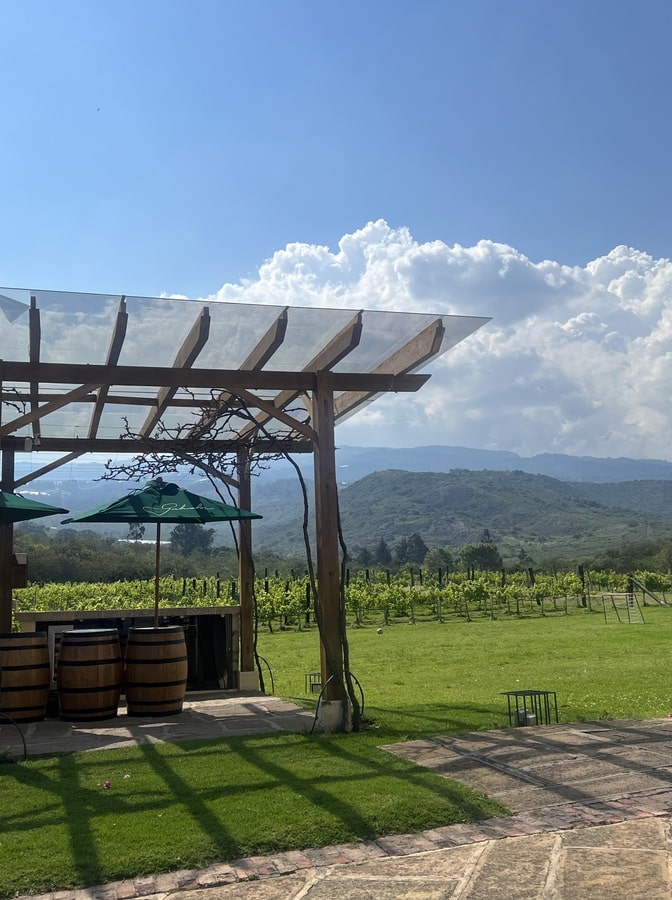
(157,574)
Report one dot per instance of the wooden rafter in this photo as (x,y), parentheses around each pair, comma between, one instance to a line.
(184,359)
(113,353)
(272,412)
(40,473)
(168,445)
(110,400)
(267,346)
(45,410)
(99,398)
(413,353)
(34,339)
(255,361)
(338,347)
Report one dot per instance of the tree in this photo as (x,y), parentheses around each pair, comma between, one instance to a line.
(136,531)
(485,557)
(438,558)
(190,538)
(524,558)
(410,550)
(416,548)
(382,555)
(401,552)
(364,557)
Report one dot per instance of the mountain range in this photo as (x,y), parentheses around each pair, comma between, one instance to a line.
(354,463)
(550,506)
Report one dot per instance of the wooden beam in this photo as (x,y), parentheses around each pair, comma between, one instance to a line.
(338,347)
(273,412)
(34,339)
(269,343)
(110,400)
(246,575)
(184,359)
(42,411)
(327,546)
(113,353)
(256,360)
(231,379)
(112,358)
(6,546)
(422,347)
(168,446)
(56,464)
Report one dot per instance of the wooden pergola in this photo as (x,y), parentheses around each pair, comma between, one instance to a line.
(89,373)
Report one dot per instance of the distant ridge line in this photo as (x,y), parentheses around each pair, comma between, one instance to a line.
(354,463)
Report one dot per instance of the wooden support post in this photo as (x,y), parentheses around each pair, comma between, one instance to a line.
(6,547)
(248,676)
(328,557)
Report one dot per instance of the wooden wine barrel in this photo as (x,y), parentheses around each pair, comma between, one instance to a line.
(24,675)
(156,671)
(89,674)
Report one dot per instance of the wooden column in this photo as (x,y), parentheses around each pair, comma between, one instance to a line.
(248,676)
(327,546)
(6,547)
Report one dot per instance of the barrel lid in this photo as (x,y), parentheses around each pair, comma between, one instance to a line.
(154,629)
(73,632)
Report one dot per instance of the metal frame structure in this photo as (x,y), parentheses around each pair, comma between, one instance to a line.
(292,374)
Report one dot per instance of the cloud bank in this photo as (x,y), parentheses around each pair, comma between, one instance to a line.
(576,359)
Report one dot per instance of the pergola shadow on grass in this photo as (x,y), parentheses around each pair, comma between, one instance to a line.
(85,819)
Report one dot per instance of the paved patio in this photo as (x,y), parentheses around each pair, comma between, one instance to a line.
(205,716)
(591,810)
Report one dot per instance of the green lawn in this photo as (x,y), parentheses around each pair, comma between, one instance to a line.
(429,678)
(181,806)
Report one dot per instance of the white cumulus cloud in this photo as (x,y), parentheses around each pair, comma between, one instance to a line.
(576,359)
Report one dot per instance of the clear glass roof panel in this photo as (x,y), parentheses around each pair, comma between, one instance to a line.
(156,330)
(235,330)
(79,328)
(309,330)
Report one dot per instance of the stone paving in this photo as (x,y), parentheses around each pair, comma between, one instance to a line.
(591,817)
(204,716)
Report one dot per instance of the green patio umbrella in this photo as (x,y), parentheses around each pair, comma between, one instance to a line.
(161,501)
(15,508)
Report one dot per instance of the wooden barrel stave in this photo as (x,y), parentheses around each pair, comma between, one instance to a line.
(24,675)
(155,671)
(89,674)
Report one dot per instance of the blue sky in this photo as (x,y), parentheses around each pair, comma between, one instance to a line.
(161,147)
(171,146)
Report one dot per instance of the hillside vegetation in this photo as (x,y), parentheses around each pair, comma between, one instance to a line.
(543,517)
(531,517)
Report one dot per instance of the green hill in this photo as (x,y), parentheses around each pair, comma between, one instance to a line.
(546,518)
